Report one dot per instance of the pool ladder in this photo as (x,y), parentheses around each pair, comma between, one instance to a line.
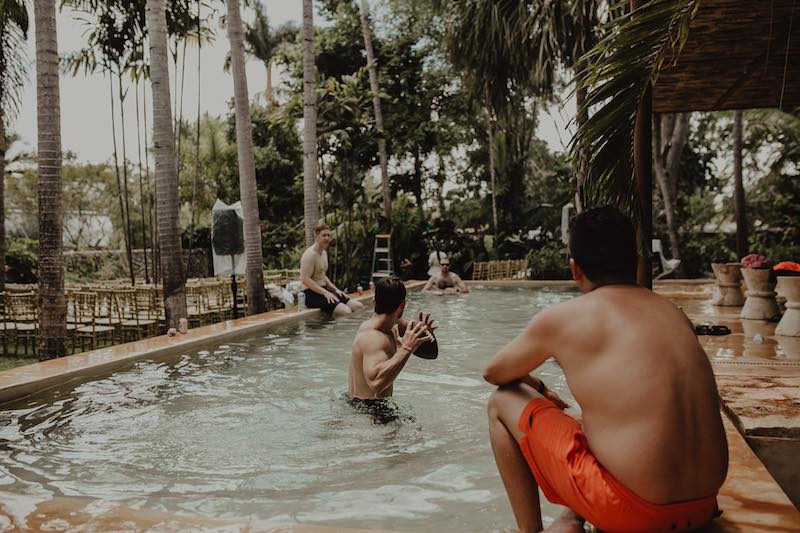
(382,265)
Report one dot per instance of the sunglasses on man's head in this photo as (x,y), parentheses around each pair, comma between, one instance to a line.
(445,264)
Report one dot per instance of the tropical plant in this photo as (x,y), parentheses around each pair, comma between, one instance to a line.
(166,168)
(256,300)
(51,299)
(670,135)
(13,60)
(310,188)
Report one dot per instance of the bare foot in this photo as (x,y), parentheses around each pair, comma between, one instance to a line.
(568,522)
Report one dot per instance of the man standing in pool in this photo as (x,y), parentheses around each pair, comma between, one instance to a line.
(446,282)
(320,291)
(384,343)
(650,453)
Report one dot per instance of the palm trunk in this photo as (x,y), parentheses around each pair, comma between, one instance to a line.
(150,196)
(51,299)
(492,170)
(120,194)
(2,202)
(376,105)
(741,214)
(270,97)
(128,230)
(166,168)
(310,188)
(247,168)
(141,187)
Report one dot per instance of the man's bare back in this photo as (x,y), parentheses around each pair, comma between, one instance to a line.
(645,387)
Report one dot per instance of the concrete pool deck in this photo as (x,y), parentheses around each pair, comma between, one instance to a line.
(758,384)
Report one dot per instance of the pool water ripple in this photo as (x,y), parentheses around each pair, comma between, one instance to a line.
(261,429)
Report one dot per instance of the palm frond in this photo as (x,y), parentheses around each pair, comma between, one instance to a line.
(633,50)
(13,56)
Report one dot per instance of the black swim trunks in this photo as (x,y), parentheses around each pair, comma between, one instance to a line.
(382,411)
(315,300)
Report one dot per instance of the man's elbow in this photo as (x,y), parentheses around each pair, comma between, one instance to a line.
(490,375)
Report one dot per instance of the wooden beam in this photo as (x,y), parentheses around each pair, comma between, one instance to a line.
(643,173)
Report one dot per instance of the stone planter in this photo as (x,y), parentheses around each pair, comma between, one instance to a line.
(729,285)
(789,325)
(760,303)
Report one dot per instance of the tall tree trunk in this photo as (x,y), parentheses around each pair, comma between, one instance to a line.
(372,66)
(142,200)
(418,181)
(2,202)
(270,96)
(741,214)
(123,201)
(492,166)
(166,168)
(310,188)
(51,300)
(128,229)
(247,169)
(670,135)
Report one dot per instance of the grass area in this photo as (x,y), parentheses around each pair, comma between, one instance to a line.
(14,361)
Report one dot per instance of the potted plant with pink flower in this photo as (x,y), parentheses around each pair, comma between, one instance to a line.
(760,303)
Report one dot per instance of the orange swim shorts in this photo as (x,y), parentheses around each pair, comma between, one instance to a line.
(568,473)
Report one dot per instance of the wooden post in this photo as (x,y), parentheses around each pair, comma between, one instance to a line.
(643,173)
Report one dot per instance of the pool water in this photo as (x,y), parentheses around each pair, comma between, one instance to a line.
(261,429)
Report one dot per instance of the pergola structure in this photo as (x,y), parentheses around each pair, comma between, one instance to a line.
(740,54)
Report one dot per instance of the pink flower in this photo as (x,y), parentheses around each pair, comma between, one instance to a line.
(755,261)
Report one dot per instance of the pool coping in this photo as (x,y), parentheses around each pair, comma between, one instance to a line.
(18,383)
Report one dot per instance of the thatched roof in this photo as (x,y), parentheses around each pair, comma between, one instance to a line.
(740,54)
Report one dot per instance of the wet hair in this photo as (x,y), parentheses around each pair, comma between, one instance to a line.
(602,242)
(389,294)
(321,226)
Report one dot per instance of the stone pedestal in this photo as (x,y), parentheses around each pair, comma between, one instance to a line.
(789,325)
(729,285)
(760,303)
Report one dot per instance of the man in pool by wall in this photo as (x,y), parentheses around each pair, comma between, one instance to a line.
(319,290)
(650,453)
(445,282)
(384,343)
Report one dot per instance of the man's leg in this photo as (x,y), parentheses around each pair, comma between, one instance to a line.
(341,310)
(505,408)
(355,305)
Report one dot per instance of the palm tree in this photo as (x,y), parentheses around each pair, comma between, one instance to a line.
(247,168)
(376,105)
(310,186)
(166,167)
(13,60)
(261,42)
(51,301)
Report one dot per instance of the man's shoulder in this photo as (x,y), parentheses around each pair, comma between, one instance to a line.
(367,334)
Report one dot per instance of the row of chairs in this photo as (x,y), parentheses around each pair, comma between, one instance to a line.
(507,269)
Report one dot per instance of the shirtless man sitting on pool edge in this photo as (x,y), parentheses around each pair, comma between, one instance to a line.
(650,453)
(384,343)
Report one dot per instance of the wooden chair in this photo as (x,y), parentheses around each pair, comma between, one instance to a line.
(133,325)
(25,316)
(87,329)
(7,326)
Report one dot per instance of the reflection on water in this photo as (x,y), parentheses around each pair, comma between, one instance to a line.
(262,429)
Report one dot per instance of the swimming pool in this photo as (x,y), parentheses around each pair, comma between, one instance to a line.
(261,429)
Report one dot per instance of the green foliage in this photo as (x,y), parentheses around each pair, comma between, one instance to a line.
(22,260)
(550,261)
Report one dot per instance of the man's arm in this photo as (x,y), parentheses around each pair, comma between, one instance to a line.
(526,352)
(306,270)
(331,286)
(380,372)
(462,287)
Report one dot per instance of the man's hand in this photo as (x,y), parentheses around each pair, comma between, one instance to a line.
(555,398)
(415,335)
(426,319)
(329,296)
(341,293)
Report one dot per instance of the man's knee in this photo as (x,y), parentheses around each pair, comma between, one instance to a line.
(341,309)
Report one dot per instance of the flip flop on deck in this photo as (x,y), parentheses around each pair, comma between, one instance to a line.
(708,329)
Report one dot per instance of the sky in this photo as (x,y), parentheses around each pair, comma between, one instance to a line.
(86,107)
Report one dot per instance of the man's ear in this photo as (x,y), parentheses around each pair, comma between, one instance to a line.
(577,273)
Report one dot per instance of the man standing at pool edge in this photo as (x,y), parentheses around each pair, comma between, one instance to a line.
(650,453)
(384,343)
